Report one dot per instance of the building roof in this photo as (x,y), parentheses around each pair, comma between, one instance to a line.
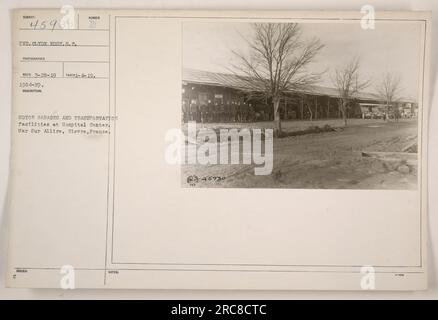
(233,81)
(212,78)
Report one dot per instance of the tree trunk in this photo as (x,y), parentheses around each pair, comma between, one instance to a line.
(343,109)
(277,120)
(387,112)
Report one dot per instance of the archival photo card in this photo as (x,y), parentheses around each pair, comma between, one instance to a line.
(237,150)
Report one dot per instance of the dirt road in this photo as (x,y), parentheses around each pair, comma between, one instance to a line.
(331,160)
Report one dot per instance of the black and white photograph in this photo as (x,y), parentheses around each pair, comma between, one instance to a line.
(313,105)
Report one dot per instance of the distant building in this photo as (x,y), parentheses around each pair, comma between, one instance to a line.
(219,97)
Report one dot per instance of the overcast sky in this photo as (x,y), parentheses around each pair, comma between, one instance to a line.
(391,47)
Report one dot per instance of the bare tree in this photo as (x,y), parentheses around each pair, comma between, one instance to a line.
(346,81)
(276,63)
(388,89)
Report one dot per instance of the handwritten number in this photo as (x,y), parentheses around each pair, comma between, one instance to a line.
(34,24)
(44,24)
(53,24)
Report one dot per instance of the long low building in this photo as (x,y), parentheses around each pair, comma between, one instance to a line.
(219,97)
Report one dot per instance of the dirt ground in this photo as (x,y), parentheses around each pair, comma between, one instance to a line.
(330,160)
(287,126)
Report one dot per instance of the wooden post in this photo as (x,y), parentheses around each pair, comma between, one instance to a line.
(339,109)
(328,107)
(285,109)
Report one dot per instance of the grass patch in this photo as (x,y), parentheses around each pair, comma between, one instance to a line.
(309,130)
